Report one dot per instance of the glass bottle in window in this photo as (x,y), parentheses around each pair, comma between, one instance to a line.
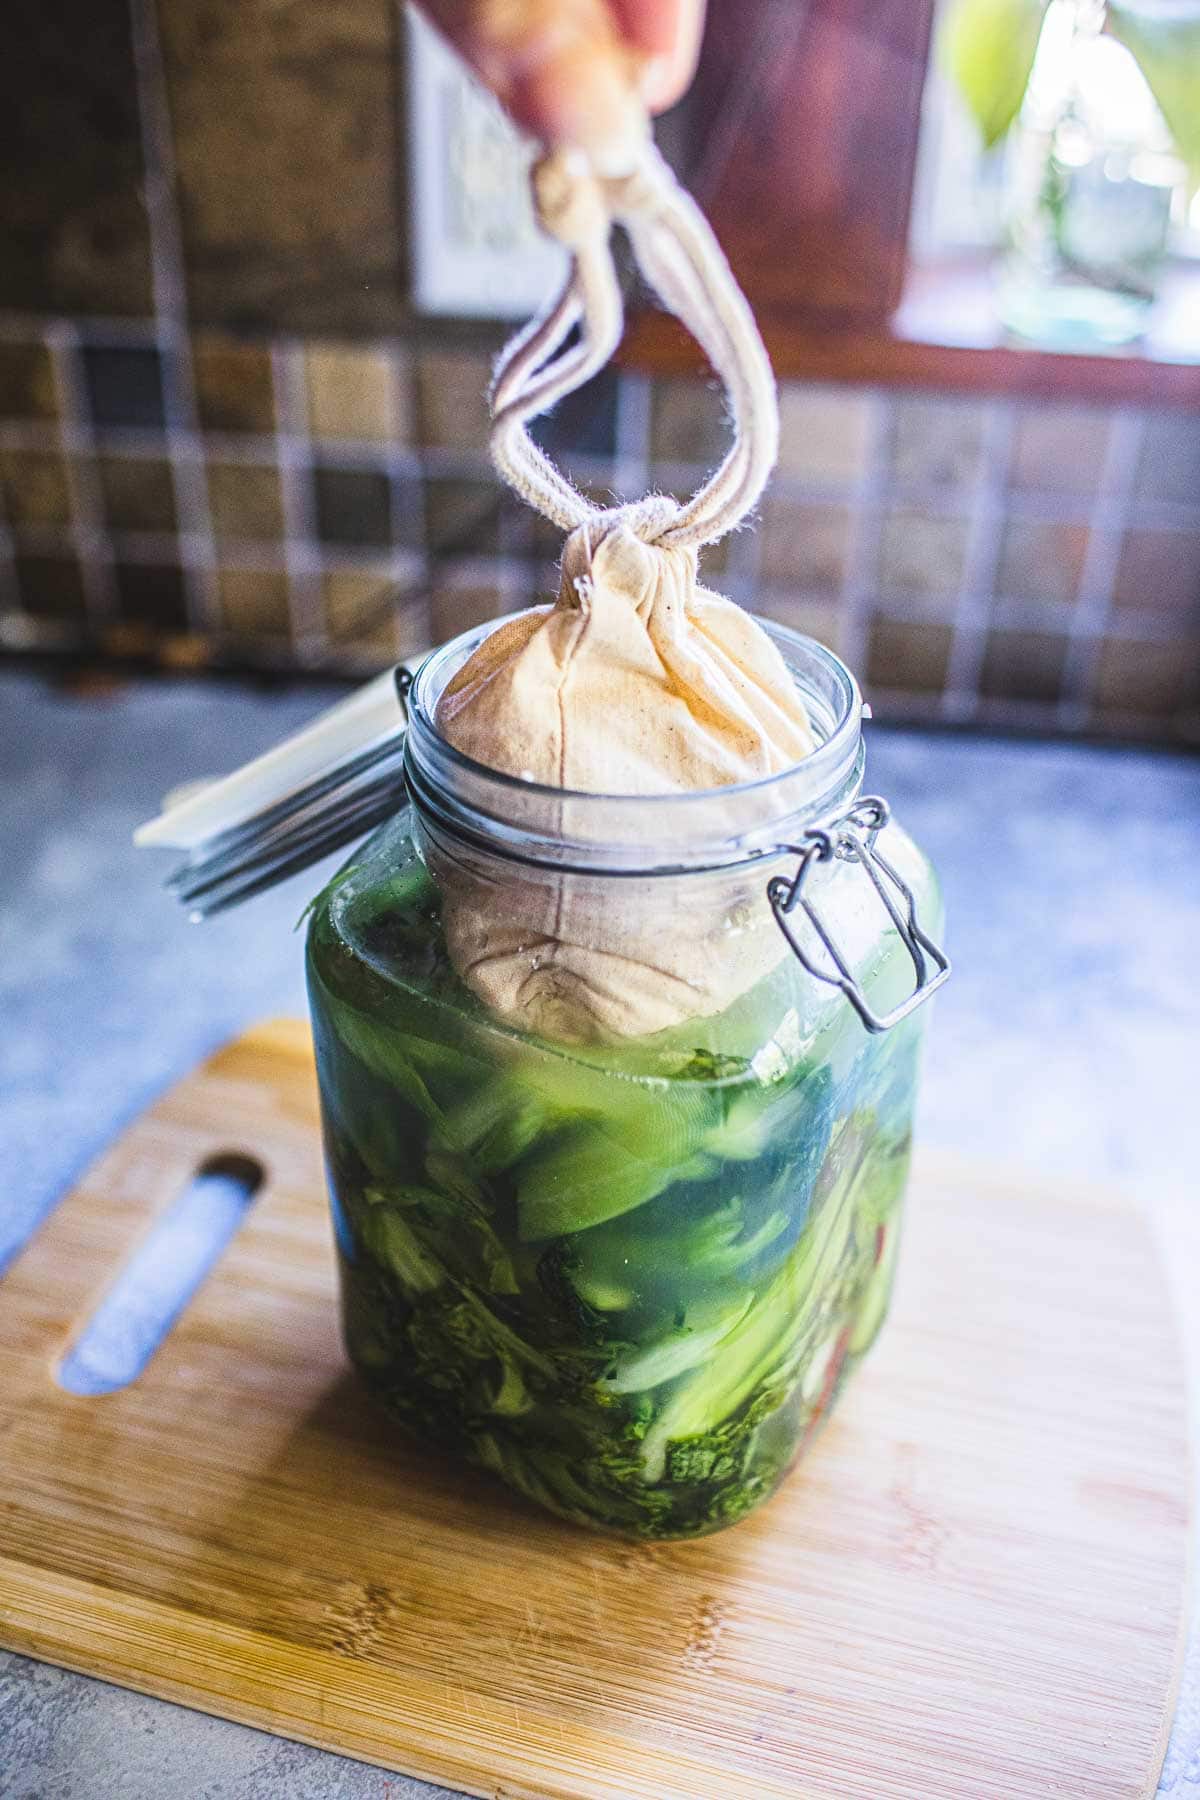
(1093,182)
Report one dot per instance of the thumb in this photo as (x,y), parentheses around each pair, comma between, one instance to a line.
(560,67)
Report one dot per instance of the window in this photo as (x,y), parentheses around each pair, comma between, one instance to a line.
(851,194)
(959,189)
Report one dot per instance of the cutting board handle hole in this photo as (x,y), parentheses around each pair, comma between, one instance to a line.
(161,1275)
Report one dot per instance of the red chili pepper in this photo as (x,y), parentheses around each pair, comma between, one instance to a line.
(832,1371)
(880,1241)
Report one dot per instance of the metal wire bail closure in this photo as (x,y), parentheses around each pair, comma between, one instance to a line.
(851,838)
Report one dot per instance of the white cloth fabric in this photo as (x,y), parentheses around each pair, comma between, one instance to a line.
(636,681)
(681,259)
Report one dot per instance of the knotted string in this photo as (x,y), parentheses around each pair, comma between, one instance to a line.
(678,255)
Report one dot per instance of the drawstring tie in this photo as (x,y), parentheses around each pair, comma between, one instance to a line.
(680,258)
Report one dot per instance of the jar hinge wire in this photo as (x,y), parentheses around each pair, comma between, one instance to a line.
(851,837)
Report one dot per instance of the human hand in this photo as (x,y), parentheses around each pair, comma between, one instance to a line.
(581,72)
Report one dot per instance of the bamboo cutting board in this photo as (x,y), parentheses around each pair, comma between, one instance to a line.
(973,1588)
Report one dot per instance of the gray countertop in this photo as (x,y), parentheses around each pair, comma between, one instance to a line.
(1067,1041)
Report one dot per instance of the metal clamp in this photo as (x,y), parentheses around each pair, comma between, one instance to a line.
(851,838)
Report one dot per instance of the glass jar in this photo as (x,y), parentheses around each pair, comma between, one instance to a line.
(628,1276)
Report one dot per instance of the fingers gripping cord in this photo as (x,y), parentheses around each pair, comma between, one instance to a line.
(681,259)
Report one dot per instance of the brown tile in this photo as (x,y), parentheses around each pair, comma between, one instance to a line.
(1145,677)
(460,601)
(687,422)
(244,501)
(1159,571)
(914,657)
(935,442)
(137,492)
(920,553)
(187,651)
(545,538)
(360,609)
(518,521)
(452,408)
(1059,449)
(583,423)
(124,385)
(75,234)
(254,602)
(824,433)
(235,389)
(812,618)
(35,487)
(152,594)
(27,389)
(413,626)
(1169,463)
(1023,665)
(804,546)
(124,637)
(714,561)
(50,587)
(353,506)
(356,394)
(285,126)
(1041,560)
(463,517)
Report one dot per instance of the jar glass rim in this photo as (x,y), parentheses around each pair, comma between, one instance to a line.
(689,825)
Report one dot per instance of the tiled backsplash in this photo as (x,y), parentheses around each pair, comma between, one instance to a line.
(223,440)
(331,505)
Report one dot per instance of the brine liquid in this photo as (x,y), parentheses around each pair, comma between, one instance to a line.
(630,1281)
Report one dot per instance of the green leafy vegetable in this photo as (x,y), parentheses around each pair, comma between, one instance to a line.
(590,1176)
(391,1241)
(627,1284)
(644,1369)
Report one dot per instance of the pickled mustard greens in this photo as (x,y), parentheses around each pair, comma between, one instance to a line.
(628,1281)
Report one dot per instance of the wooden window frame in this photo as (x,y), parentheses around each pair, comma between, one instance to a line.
(800,139)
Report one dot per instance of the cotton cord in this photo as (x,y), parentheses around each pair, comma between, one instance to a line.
(680,258)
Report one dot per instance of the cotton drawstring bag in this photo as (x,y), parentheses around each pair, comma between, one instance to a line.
(636,681)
